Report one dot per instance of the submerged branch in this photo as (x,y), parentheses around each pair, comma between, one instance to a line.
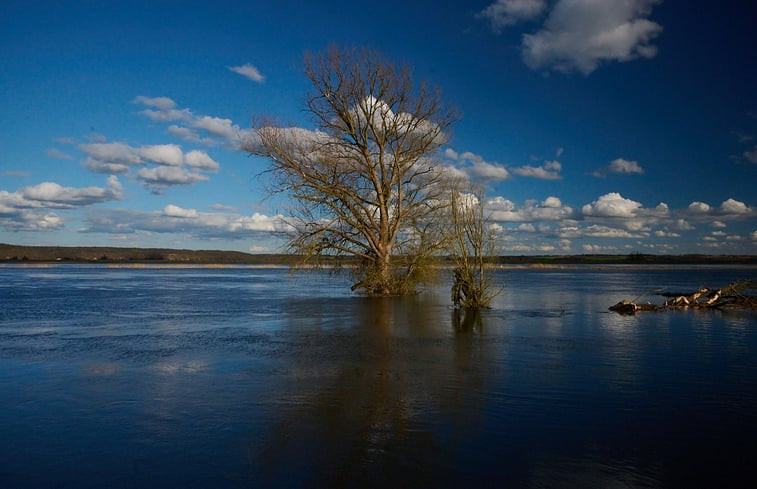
(729,296)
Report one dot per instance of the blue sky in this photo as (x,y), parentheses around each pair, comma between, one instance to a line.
(596,126)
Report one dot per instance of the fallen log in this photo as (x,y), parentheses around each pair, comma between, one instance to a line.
(729,296)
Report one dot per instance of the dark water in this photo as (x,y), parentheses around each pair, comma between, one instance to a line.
(256,378)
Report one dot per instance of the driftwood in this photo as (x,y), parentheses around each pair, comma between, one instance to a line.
(729,296)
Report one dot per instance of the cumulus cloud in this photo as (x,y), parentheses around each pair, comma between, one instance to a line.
(619,166)
(161,177)
(596,231)
(201,160)
(25,220)
(611,205)
(117,158)
(98,166)
(162,109)
(163,154)
(666,234)
(118,153)
(504,210)
(53,195)
(552,202)
(27,208)
(548,171)
(474,166)
(248,71)
(732,206)
(162,103)
(482,170)
(173,218)
(217,126)
(175,211)
(527,228)
(190,135)
(503,13)
(699,207)
(578,35)
(681,225)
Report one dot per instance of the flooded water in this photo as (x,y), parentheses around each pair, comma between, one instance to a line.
(248,377)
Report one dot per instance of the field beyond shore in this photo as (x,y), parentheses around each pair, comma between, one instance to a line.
(10,253)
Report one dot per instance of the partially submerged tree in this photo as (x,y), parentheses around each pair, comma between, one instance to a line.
(471,243)
(365,181)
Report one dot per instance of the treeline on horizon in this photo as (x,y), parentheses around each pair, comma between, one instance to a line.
(75,254)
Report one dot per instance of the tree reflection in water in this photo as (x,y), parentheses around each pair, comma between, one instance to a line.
(364,401)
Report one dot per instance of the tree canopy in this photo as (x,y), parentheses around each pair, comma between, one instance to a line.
(365,181)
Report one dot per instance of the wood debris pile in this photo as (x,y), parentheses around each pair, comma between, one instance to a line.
(730,296)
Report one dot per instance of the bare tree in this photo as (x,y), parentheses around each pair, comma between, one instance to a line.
(365,180)
(471,244)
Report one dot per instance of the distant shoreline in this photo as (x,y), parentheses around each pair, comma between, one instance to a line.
(155,257)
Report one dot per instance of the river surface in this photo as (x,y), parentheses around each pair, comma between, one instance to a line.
(254,377)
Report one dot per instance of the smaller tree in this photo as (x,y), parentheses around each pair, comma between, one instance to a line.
(472,242)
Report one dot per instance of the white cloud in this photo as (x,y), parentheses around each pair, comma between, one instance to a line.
(595,231)
(163,154)
(474,167)
(620,166)
(56,153)
(503,13)
(594,248)
(218,126)
(25,220)
(201,160)
(248,71)
(753,236)
(163,103)
(548,171)
(96,138)
(504,210)
(223,207)
(681,225)
(163,176)
(259,249)
(451,154)
(611,205)
(175,211)
(751,156)
(98,166)
(732,206)
(553,202)
(53,195)
(26,208)
(190,135)
(112,153)
(718,224)
(580,34)
(162,109)
(666,234)
(167,115)
(173,219)
(527,228)
(488,171)
(699,207)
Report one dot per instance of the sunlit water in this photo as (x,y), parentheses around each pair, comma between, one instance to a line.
(250,377)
